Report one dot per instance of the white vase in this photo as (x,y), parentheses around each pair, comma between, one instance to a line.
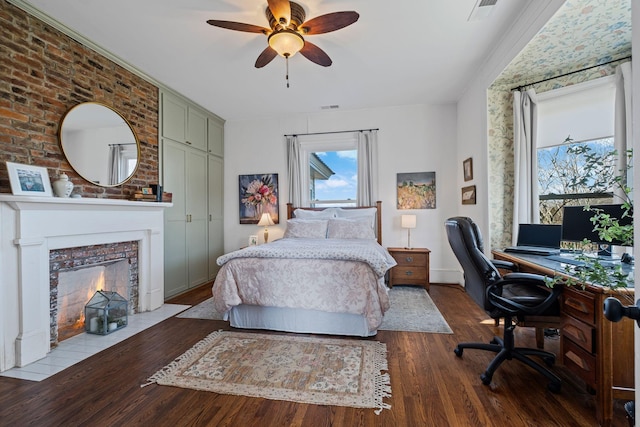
(62,187)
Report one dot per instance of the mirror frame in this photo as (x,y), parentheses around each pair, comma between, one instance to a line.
(74,167)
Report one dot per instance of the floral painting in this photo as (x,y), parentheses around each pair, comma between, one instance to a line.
(258,195)
(416,190)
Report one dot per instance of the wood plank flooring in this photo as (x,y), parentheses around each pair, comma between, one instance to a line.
(430,385)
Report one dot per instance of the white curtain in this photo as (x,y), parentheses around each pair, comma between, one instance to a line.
(367,168)
(623,124)
(295,175)
(525,189)
(115,162)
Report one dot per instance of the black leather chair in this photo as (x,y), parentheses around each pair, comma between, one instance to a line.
(511,297)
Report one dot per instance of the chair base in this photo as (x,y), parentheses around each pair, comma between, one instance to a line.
(506,350)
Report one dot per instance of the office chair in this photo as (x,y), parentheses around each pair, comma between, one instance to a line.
(511,297)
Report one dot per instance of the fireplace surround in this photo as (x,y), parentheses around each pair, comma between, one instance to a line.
(30,227)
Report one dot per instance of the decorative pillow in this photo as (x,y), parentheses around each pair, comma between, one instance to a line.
(364,213)
(307,214)
(306,228)
(341,228)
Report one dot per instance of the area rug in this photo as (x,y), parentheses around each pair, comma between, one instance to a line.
(322,371)
(411,310)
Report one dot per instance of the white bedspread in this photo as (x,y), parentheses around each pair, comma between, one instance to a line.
(331,275)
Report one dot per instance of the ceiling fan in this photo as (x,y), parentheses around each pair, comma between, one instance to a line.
(288,29)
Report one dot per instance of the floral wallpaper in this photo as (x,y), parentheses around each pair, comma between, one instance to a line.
(583,33)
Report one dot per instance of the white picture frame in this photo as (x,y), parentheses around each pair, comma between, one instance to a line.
(29,180)
(253,240)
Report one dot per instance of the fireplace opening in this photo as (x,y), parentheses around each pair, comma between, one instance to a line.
(76,274)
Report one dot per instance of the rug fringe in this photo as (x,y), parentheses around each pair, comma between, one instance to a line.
(164,372)
(382,381)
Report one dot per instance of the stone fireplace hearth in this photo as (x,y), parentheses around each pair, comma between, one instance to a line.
(31,227)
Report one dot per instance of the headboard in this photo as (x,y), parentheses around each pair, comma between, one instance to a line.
(378,206)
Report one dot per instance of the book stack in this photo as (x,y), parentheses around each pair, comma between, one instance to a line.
(145,195)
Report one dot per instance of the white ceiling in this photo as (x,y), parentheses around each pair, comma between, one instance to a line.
(400,52)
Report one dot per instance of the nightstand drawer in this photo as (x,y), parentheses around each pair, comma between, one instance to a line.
(410,259)
(412,273)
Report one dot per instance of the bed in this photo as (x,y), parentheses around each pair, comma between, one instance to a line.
(325,276)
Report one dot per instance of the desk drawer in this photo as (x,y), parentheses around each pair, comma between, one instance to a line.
(579,361)
(580,305)
(579,332)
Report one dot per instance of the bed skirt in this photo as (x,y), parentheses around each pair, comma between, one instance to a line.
(298,320)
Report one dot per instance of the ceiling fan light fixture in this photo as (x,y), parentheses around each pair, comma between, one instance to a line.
(286,42)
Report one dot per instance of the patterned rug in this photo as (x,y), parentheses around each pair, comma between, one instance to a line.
(412,310)
(322,371)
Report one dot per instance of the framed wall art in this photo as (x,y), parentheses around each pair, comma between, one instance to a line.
(29,180)
(258,195)
(416,190)
(469,195)
(467,166)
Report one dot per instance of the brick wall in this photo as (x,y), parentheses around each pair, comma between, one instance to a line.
(43,73)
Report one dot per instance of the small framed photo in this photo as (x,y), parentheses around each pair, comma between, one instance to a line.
(467,166)
(147,190)
(469,195)
(253,240)
(28,180)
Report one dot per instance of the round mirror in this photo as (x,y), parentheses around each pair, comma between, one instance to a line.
(100,144)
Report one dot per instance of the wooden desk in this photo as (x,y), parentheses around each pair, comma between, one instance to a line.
(598,351)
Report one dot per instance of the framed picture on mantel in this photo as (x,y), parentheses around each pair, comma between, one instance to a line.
(29,180)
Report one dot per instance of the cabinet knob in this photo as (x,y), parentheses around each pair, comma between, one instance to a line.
(409,259)
(409,273)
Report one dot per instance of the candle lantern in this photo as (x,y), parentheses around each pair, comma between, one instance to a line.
(105,312)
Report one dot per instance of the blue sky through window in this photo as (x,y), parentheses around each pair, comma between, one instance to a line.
(343,184)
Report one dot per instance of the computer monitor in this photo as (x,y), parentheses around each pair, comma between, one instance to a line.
(577,225)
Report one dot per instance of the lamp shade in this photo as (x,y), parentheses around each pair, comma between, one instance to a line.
(265,220)
(286,42)
(408,221)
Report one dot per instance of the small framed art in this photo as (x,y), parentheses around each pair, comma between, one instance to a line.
(253,240)
(29,180)
(469,195)
(467,166)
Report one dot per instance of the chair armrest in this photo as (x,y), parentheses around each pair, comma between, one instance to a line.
(505,265)
(527,279)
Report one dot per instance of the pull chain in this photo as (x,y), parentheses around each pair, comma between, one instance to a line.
(286,58)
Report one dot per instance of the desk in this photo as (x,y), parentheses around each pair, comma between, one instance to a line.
(588,339)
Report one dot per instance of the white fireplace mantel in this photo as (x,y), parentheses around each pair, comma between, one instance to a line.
(32,226)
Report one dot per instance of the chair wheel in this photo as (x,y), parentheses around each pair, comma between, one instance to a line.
(549,361)
(458,351)
(554,387)
(486,379)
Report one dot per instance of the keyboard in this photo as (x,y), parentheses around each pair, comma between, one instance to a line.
(532,250)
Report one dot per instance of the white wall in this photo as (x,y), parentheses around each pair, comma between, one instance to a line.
(417,138)
(472,107)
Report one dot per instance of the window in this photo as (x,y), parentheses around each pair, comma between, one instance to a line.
(571,169)
(572,174)
(332,162)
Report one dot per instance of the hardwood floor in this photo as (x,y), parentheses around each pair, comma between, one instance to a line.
(430,385)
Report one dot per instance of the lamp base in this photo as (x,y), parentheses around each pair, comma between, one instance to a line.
(266,235)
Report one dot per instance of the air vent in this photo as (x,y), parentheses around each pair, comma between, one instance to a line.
(330,107)
(482,9)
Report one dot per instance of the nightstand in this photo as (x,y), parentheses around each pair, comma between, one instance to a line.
(412,268)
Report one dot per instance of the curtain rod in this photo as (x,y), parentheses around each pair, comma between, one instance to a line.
(120,145)
(568,74)
(326,133)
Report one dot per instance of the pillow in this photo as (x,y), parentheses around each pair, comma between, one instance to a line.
(307,214)
(364,213)
(340,228)
(306,228)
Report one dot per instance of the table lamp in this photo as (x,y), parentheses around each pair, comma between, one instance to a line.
(265,221)
(408,222)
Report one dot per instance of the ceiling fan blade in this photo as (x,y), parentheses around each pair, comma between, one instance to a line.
(265,57)
(314,54)
(281,10)
(238,26)
(329,22)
